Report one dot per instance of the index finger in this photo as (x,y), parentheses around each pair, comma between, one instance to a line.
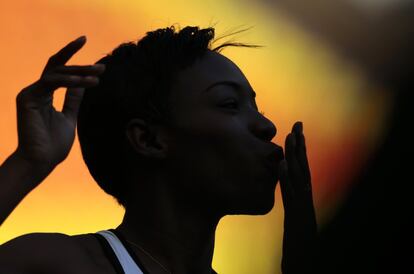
(63,55)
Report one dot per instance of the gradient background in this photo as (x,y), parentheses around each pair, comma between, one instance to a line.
(296,76)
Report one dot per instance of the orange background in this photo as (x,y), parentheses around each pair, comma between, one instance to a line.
(296,77)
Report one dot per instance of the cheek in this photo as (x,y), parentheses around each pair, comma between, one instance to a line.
(205,156)
(215,152)
(217,166)
(226,174)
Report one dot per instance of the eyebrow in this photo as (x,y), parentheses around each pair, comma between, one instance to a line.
(233,84)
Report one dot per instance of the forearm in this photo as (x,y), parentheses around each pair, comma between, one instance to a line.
(17,179)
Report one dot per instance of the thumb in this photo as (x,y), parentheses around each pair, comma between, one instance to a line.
(73,99)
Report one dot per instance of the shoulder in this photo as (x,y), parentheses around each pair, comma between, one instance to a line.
(44,253)
(42,243)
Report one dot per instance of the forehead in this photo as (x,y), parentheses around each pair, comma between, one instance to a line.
(211,68)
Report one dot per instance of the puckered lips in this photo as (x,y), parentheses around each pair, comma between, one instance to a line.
(273,159)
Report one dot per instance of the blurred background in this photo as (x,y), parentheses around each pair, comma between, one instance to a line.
(342,67)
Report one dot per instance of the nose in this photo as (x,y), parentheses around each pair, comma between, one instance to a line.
(263,128)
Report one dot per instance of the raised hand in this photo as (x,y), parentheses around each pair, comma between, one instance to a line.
(300,228)
(45,134)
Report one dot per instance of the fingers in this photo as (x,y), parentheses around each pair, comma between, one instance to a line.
(54,81)
(288,193)
(295,169)
(300,152)
(63,55)
(81,70)
(56,74)
(73,76)
(298,169)
(73,99)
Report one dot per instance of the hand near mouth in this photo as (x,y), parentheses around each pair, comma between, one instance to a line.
(300,227)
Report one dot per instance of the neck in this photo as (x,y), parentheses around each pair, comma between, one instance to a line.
(176,234)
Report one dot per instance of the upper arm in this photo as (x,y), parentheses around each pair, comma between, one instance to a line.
(33,253)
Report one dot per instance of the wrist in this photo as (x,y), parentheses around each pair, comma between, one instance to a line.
(33,172)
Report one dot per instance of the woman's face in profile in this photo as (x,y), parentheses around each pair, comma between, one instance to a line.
(221,143)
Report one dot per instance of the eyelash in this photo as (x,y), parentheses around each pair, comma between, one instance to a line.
(235,103)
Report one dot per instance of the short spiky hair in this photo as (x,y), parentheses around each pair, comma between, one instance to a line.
(136,84)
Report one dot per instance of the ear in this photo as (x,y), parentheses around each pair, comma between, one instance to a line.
(147,139)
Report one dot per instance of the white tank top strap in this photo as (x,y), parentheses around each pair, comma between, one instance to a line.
(128,264)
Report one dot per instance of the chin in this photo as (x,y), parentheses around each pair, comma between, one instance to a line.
(258,206)
(262,209)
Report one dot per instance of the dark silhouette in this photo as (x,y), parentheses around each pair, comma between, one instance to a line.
(173,132)
(45,135)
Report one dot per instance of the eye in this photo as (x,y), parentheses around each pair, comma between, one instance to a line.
(230,104)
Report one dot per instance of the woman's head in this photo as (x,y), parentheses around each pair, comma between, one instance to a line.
(173,107)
